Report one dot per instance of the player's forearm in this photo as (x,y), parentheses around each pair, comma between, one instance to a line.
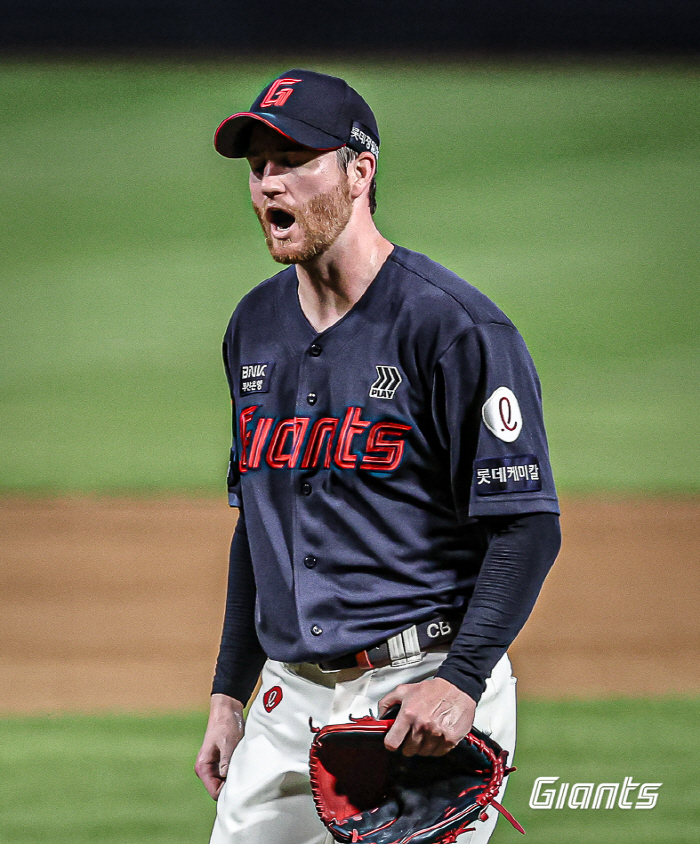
(521,552)
(240,655)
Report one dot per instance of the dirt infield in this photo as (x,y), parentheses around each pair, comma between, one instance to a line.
(111,604)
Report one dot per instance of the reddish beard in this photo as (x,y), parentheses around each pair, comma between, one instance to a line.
(321,220)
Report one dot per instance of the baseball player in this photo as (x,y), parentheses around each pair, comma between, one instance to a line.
(397,513)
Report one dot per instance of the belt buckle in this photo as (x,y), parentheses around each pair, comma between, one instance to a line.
(404,648)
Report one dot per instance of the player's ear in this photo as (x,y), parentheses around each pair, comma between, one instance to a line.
(361,172)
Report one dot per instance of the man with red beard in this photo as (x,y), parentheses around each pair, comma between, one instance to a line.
(397,513)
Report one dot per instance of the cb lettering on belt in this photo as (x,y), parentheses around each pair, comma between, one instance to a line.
(438,628)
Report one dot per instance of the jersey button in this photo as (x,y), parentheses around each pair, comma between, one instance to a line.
(316,630)
(310,561)
(312,398)
(315,350)
(306,488)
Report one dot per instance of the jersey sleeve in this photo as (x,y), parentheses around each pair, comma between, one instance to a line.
(233,479)
(488,403)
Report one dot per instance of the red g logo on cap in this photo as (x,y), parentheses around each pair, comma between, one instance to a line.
(272,697)
(277,95)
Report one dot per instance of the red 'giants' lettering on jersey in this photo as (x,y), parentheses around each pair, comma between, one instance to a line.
(352,426)
(297,442)
(286,442)
(322,435)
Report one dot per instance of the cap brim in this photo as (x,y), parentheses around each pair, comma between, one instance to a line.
(233,135)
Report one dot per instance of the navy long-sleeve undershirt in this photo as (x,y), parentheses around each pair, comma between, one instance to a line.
(521,551)
(241,657)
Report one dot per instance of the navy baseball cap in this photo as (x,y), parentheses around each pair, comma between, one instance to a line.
(315,110)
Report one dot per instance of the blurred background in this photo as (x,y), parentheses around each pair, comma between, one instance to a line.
(546,152)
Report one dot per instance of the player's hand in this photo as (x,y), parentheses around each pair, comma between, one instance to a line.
(224,731)
(434,717)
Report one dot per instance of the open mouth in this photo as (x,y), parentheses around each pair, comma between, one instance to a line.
(280,219)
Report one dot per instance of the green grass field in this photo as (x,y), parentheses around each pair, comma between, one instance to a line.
(567,193)
(129,780)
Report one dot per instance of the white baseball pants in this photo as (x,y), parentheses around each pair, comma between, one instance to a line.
(266,798)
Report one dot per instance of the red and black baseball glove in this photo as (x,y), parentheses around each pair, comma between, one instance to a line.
(368,794)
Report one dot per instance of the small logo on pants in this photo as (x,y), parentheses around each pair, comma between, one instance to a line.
(272,697)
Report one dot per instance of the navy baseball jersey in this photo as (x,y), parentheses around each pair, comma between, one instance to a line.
(365,455)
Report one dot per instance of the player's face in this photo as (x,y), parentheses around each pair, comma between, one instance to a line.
(301,196)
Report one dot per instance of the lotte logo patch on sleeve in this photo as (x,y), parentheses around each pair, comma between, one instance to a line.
(502,416)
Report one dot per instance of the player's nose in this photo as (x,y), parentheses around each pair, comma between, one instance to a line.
(271,182)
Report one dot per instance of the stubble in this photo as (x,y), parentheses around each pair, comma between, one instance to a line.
(321,220)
